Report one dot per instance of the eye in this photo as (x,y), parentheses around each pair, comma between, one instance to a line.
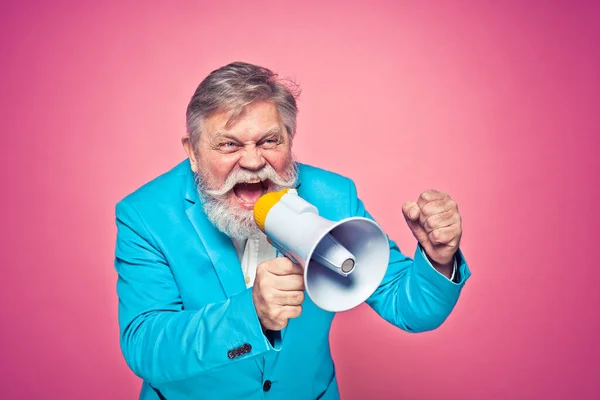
(228,146)
(270,143)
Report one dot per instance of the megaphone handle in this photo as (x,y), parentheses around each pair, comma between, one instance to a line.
(282,251)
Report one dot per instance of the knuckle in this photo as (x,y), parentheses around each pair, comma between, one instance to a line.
(455,241)
(443,237)
(427,210)
(268,296)
(276,314)
(300,284)
(440,205)
(458,233)
(430,194)
(456,221)
(260,268)
(431,222)
(286,264)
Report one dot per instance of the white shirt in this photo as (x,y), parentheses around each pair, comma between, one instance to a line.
(252,252)
(257,249)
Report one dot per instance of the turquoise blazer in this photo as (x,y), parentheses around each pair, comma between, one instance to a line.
(188,326)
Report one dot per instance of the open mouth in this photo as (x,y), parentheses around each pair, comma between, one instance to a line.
(248,193)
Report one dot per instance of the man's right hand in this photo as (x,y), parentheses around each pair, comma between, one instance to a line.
(278,292)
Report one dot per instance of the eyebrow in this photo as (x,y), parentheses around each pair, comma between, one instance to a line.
(270,132)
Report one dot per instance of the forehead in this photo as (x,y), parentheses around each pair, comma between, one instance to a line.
(254,119)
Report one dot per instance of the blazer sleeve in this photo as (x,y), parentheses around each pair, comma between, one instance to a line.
(413,295)
(162,342)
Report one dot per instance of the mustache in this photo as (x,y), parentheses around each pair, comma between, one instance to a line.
(278,182)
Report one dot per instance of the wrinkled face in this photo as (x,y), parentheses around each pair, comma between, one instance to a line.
(239,160)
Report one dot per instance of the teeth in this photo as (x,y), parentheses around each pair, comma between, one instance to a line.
(253,181)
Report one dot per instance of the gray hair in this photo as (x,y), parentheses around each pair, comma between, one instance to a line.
(234,86)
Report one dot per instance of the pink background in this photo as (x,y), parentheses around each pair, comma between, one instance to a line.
(496,103)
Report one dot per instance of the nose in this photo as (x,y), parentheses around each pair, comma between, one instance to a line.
(252,159)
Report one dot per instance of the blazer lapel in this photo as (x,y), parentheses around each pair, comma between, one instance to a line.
(218,246)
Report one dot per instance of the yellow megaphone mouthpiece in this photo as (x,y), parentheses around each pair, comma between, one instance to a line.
(264,205)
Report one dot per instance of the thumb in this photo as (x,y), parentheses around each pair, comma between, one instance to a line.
(412,212)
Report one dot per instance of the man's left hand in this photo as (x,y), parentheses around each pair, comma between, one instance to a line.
(435,222)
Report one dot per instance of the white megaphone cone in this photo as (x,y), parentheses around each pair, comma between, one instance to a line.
(344,262)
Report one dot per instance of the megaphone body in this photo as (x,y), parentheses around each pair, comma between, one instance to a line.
(344,262)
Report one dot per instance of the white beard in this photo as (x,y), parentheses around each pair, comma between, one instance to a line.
(239,223)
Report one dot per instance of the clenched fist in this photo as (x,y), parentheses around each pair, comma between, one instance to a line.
(278,292)
(435,222)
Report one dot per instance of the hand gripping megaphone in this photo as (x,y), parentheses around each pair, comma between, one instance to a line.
(344,262)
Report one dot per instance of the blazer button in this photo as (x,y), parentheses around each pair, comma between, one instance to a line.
(267,386)
(247,348)
(230,354)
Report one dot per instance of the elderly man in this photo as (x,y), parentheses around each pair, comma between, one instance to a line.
(207,308)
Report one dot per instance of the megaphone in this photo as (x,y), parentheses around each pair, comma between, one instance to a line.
(344,262)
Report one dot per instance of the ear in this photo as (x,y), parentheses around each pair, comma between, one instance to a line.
(186,141)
